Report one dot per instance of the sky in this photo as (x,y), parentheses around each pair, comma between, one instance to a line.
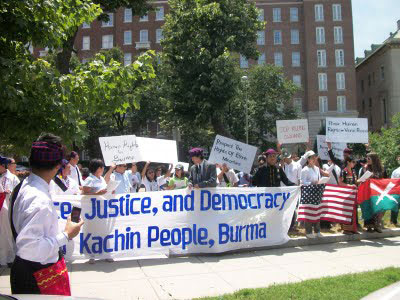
(373,20)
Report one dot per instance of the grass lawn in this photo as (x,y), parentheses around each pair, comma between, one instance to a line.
(345,287)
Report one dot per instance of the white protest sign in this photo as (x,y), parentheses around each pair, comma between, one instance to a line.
(133,226)
(119,149)
(337,148)
(347,130)
(292,131)
(157,150)
(234,154)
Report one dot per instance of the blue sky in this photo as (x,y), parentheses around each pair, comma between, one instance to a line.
(373,20)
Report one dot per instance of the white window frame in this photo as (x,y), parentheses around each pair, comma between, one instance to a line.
(298,104)
(338,34)
(128,37)
(297,80)
(321,58)
(160,13)
(244,62)
(323,104)
(278,33)
(296,59)
(337,12)
(127,59)
(128,15)
(260,38)
(339,57)
(294,14)
(276,14)
(340,81)
(159,35)
(261,59)
(278,59)
(319,12)
(144,18)
(103,43)
(110,22)
(144,36)
(86,42)
(294,36)
(320,35)
(322,82)
(260,14)
(85,25)
(341,103)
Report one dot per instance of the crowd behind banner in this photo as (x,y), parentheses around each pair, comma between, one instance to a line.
(274,168)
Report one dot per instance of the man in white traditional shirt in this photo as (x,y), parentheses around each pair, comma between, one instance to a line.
(8,182)
(76,175)
(226,177)
(291,168)
(34,224)
(120,176)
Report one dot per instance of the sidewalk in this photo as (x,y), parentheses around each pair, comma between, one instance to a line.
(197,276)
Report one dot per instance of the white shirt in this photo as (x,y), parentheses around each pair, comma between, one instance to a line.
(396,173)
(8,181)
(231,175)
(75,173)
(96,184)
(36,222)
(124,186)
(150,186)
(162,180)
(293,171)
(309,175)
(135,180)
(72,187)
(332,179)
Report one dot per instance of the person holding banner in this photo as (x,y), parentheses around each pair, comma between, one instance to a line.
(395,175)
(120,175)
(202,173)
(149,179)
(162,179)
(226,177)
(134,177)
(39,266)
(178,181)
(95,184)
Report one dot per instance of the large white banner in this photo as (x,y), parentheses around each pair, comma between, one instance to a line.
(234,154)
(157,150)
(337,148)
(179,221)
(292,131)
(347,130)
(119,149)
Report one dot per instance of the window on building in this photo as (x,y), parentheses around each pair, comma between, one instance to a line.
(86,43)
(295,59)
(382,73)
(322,81)
(261,59)
(294,14)
(362,86)
(107,41)
(128,37)
(338,34)
(277,37)
(339,56)
(319,12)
(276,15)
(144,36)
(278,60)
(127,59)
(341,103)
(85,60)
(298,104)
(297,80)
(260,37)
(320,35)
(144,18)
(160,13)
(159,35)
(244,63)
(384,108)
(340,81)
(369,79)
(294,36)
(85,25)
(110,22)
(323,104)
(128,15)
(321,58)
(363,105)
(373,77)
(337,12)
(260,14)
(370,103)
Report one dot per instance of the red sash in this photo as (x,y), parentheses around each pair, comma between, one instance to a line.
(54,280)
(2,198)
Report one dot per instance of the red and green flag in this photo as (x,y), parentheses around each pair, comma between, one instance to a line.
(378,195)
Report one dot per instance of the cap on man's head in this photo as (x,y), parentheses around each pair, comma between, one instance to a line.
(196,152)
(179,167)
(347,150)
(308,154)
(286,154)
(270,151)
(4,160)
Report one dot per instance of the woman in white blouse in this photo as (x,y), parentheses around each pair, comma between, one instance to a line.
(95,184)
(311,174)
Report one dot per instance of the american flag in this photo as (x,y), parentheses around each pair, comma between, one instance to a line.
(327,202)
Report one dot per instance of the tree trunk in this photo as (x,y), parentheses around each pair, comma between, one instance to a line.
(219,127)
(64,57)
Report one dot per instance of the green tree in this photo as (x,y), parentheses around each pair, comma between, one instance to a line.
(201,78)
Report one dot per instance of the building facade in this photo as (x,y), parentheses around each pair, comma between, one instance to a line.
(312,40)
(378,82)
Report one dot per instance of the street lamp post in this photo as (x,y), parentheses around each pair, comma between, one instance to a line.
(244,79)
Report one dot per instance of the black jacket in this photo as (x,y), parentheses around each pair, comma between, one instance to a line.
(207,178)
(270,176)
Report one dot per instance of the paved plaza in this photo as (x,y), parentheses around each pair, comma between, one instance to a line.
(197,276)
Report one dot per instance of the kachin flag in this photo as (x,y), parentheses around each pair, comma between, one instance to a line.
(378,195)
(328,202)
